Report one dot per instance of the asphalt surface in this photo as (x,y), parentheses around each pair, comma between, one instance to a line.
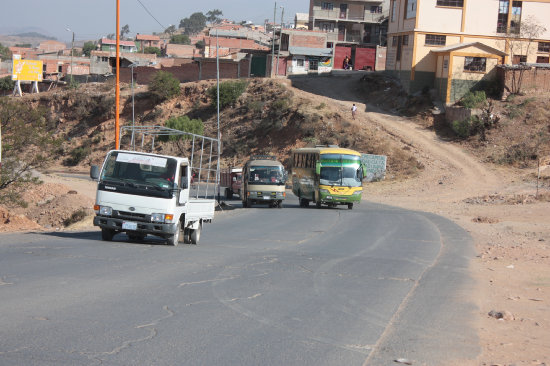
(265,286)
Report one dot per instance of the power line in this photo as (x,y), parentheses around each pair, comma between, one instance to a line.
(152,16)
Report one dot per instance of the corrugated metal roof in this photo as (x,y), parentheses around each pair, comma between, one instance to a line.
(308,51)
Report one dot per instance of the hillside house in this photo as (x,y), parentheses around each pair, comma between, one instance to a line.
(109,45)
(143,41)
(303,52)
(455,45)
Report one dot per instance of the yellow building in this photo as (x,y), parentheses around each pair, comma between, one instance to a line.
(455,45)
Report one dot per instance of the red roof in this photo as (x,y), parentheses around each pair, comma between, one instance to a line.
(147,37)
(113,41)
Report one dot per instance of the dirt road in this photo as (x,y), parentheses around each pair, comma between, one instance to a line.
(511,230)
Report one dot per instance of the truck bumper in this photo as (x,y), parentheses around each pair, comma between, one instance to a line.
(142,227)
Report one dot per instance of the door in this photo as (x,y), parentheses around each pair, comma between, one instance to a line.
(183,185)
(343,11)
(258,65)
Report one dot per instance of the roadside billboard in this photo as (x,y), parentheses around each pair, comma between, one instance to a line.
(27,70)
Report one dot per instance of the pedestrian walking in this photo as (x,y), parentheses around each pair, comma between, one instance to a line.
(353,110)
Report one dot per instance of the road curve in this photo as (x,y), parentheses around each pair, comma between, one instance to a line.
(293,286)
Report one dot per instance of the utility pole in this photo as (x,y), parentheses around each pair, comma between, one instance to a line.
(280,38)
(117,87)
(273,40)
(72,51)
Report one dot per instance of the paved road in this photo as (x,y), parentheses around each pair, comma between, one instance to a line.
(290,286)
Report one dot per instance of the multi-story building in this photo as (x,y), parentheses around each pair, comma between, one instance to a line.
(455,45)
(350,21)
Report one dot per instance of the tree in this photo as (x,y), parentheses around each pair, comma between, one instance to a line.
(213,16)
(7,84)
(194,24)
(110,36)
(27,144)
(152,50)
(518,40)
(5,52)
(164,86)
(88,48)
(124,30)
(180,39)
(200,45)
(171,29)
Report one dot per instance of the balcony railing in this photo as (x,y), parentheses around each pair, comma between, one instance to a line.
(337,15)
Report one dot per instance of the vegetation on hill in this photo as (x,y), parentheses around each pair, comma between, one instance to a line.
(34,35)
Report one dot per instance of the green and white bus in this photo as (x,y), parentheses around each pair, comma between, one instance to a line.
(327,176)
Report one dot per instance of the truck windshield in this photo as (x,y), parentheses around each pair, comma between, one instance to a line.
(131,172)
(266,175)
(340,170)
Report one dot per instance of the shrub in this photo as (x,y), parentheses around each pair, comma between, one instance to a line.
(230,91)
(7,83)
(183,123)
(474,100)
(462,128)
(78,154)
(76,216)
(164,86)
(152,50)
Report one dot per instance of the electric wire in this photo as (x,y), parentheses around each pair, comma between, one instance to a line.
(152,16)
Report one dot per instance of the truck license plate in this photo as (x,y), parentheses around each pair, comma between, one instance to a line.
(267,197)
(129,225)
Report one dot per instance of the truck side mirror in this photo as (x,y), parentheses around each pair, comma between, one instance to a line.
(94,172)
(318,167)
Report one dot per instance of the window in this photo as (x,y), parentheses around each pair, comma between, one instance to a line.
(375,9)
(393,10)
(394,41)
(543,60)
(502,21)
(300,62)
(476,64)
(411,9)
(435,40)
(515,22)
(327,6)
(399,48)
(405,40)
(517,59)
(544,47)
(453,3)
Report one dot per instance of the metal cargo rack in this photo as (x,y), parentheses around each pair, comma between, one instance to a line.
(204,160)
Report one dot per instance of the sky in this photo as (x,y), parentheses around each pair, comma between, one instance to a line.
(92,19)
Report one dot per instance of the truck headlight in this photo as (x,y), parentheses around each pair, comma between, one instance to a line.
(103,210)
(162,218)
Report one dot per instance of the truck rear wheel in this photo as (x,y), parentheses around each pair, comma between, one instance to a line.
(350,206)
(107,234)
(196,234)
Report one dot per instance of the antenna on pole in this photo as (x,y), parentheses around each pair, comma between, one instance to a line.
(218,109)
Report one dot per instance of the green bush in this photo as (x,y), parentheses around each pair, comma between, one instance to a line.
(164,86)
(230,91)
(474,99)
(77,155)
(152,50)
(462,128)
(183,123)
(7,83)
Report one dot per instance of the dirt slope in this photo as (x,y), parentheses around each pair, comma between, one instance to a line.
(511,229)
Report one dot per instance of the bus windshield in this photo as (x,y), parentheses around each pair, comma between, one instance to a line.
(266,175)
(340,170)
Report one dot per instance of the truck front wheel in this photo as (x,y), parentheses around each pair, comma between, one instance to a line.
(175,239)
(107,234)
(196,234)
